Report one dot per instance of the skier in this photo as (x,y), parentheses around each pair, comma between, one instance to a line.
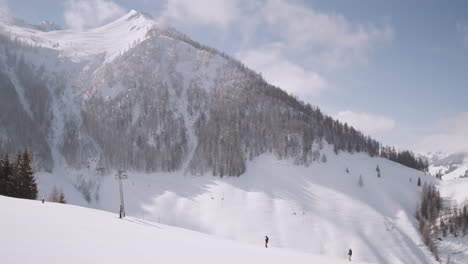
(266,241)
(350,253)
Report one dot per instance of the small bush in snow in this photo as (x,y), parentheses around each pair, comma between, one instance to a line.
(57,196)
(324,158)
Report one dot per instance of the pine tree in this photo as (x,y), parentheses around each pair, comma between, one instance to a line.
(21,183)
(324,158)
(15,180)
(30,186)
(62,198)
(5,171)
(465,221)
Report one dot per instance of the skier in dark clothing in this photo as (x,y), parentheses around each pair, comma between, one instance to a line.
(350,253)
(266,241)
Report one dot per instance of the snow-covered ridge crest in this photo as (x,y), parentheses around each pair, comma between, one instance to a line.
(111,39)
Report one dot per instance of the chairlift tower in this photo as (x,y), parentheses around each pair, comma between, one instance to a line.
(121,175)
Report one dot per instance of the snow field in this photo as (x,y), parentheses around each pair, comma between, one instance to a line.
(33,232)
(318,209)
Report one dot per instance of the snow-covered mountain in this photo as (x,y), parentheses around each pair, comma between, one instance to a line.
(449,166)
(140,96)
(129,91)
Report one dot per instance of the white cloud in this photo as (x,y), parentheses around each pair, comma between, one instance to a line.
(4,6)
(212,12)
(337,41)
(452,138)
(313,42)
(90,13)
(367,123)
(279,71)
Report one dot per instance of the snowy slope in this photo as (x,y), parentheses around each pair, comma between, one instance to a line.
(81,45)
(124,93)
(451,166)
(33,232)
(454,192)
(318,209)
(131,70)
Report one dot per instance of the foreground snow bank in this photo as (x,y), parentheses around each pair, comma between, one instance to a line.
(32,232)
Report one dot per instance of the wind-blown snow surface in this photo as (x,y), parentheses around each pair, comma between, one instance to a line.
(32,232)
(319,209)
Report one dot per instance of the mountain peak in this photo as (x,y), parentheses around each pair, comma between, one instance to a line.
(134,16)
(48,25)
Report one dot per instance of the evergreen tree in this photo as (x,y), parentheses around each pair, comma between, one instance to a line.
(5,171)
(62,198)
(324,158)
(30,186)
(360,182)
(15,179)
(21,183)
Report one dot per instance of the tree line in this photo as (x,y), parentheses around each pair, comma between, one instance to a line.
(436,221)
(427,214)
(454,221)
(17,177)
(405,157)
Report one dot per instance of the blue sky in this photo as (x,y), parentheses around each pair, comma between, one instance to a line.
(397,70)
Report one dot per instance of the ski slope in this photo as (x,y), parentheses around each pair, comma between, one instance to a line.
(33,232)
(319,209)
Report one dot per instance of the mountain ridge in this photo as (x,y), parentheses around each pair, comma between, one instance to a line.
(155,100)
